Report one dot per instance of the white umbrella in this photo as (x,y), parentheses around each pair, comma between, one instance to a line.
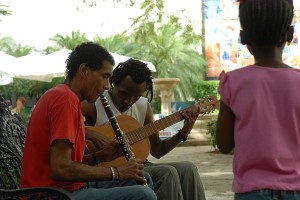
(34,66)
(120,58)
(6,62)
(5,81)
(58,60)
(41,67)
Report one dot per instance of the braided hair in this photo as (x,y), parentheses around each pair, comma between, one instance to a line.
(265,22)
(138,71)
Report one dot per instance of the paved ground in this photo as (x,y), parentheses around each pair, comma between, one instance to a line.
(215,169)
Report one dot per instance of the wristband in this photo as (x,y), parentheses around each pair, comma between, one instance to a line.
(180,137)
(113,173)
(118,173)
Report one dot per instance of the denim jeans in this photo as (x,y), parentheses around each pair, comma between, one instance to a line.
(116,190)
(268,194)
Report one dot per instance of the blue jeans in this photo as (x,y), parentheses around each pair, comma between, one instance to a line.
(268,194)
(116,190)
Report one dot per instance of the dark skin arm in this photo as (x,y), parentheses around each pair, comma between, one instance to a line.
(108,153)
(159,147)
(225,129)
(62,168)
(99,140)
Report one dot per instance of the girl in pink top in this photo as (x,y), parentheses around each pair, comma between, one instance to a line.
(260,107)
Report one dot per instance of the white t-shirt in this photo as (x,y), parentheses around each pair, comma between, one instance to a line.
(137,110)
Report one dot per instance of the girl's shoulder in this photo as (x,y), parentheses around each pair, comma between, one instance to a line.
(235,73)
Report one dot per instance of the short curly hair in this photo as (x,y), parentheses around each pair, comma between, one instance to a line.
(138,71)
(89,53)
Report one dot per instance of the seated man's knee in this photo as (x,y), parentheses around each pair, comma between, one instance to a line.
(170,173)
(189,166)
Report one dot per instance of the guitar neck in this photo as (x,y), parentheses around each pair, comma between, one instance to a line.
(205,105)
(151,128)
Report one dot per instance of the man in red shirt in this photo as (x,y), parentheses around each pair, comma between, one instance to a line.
(55,139)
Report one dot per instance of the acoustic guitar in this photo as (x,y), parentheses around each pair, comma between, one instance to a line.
(137,134)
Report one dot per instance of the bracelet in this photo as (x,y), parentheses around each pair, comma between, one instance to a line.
(113,173)
(95,160)
(180,137)
(118,173)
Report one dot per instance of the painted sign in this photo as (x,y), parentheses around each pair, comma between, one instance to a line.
(223,49)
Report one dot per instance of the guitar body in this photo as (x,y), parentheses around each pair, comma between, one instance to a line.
(127,124)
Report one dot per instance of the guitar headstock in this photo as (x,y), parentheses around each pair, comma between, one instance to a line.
(207,104)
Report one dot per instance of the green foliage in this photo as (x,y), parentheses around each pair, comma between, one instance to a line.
(24,117)
(113,43)
(90,3)
(168,50)
(39,88)
(205,88)
(11,47)
(4,10)
(20,87)
(5,91)
(156,102)
(67,42)
(211,131)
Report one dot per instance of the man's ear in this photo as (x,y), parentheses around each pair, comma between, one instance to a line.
(290,34)
(83,68)
(242,36)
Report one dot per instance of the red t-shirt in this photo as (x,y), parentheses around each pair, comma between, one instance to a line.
(57,115)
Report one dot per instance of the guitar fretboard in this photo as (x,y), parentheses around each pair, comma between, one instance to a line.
(206,105)
(147,130)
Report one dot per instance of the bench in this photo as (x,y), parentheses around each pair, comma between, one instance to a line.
(12,138)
